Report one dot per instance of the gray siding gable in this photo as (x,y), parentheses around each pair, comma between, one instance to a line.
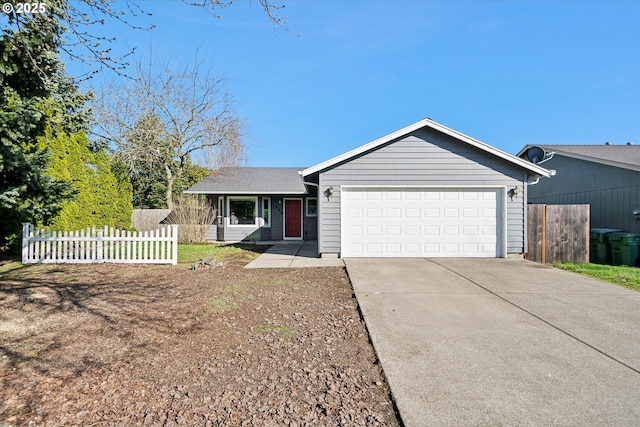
(424,157)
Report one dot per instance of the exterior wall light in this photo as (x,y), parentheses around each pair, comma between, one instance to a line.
(329,192)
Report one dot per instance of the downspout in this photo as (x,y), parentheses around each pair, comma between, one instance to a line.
(553,173)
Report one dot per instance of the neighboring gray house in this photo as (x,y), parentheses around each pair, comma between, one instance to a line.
(607,177)
(423,191)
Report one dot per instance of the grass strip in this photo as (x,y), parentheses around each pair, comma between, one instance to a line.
(621,275)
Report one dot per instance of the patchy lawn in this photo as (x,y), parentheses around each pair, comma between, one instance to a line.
(235,252)
(165,345)
(629,277)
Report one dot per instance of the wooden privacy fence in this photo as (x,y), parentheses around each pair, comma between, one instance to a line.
(558,233)
(93,245)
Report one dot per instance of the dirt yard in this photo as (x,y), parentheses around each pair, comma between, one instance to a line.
(108,345)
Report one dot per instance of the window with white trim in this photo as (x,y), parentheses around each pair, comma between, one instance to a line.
(243,210)
(312,206)
(266,211)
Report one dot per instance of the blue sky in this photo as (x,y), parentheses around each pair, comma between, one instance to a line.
(509,73)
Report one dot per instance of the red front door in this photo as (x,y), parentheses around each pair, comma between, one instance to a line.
(292,218)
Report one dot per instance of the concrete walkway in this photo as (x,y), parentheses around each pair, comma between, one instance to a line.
(295,254)
(501,342)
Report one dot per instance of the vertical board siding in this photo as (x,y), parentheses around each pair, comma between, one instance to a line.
(148,219)
(558,233)
(93,245)
(536,232)
(424,158)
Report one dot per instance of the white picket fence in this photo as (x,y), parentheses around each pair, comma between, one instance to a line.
(93,245)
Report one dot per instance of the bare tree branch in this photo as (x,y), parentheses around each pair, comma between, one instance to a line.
(80,18)
(162,118)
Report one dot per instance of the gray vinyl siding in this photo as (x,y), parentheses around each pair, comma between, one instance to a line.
(425,157)
(310,225)
(211,234)
(275,231)
(611,192)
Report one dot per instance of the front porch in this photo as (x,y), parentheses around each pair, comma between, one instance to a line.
(258,218)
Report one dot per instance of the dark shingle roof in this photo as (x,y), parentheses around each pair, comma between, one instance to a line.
(240,180)
(624,156)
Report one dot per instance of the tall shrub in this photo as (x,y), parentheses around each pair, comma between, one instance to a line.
(194,214)
(102,198)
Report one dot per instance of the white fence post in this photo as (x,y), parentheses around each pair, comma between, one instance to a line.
(26,233)
(174,243)
(93,245)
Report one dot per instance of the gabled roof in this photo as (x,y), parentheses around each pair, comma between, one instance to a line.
(535,169)
(241,180)
(622,156)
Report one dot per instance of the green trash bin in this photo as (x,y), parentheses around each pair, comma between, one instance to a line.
(624,248)
(600,251)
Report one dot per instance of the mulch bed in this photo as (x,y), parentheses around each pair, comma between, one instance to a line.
(113,345)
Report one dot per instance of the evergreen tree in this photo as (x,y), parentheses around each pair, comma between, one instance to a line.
(50,173)
(101,197)
(28,68)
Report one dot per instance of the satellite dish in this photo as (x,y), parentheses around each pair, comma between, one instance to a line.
(535,154)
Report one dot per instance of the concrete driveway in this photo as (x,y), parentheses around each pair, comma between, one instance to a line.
(501,342)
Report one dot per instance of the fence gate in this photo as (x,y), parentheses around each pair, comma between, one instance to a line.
(558,233)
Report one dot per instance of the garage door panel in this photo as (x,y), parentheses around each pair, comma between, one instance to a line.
(432,212)
(374,248)
(470,230)
(451,212)
(488,248)
(413,248)
(393,213)
(412,230)
(470,213)
(354,230)
(431,230)
(374,230)
(393,230)
(427,223)
(354,213)
(393,249)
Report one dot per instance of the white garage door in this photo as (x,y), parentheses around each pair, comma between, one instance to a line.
(421,223)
